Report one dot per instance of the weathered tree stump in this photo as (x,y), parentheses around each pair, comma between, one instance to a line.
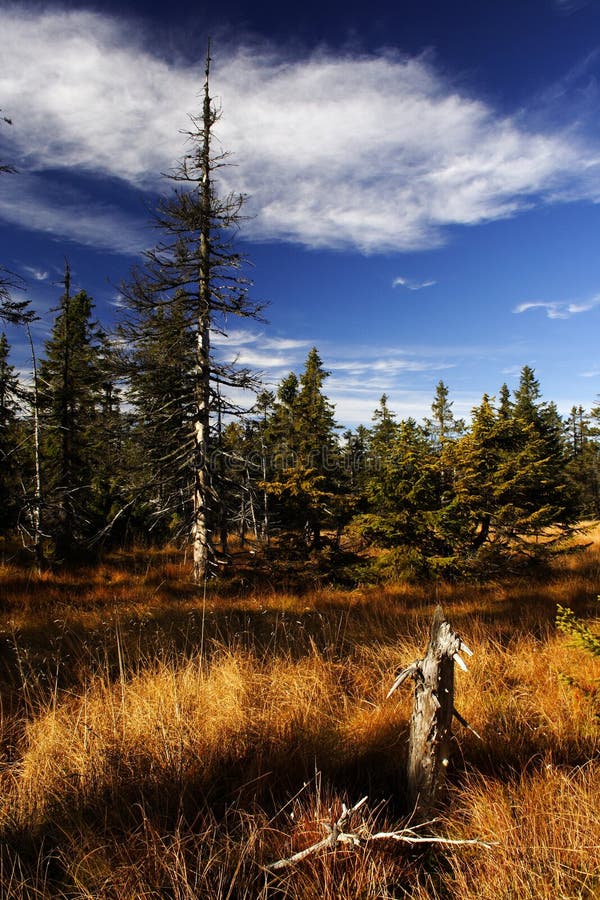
(430,740)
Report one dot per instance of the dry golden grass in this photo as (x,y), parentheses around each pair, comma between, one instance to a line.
(545,827)
(156,741)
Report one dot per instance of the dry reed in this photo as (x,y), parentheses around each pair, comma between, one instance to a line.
(154,743)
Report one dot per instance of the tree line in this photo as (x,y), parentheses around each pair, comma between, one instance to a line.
(118,460)
(133,435)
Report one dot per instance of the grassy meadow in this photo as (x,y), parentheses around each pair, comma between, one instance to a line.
(161,741)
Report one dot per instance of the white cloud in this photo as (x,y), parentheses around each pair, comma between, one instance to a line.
(353,410)
(241,337)
(281,343)
(263,361)
(570,6)
(272,356)
(32,202)
(392,364)
(37,274)
(553,310)
(369,152)
(83,95)
(574,308)
(358,374)
(381,152)
(237,337)
(399,281)
(559,309)
(512,371)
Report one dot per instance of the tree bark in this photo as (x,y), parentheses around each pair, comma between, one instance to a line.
(63,540)
(431,721)
(36,508)
(201,538)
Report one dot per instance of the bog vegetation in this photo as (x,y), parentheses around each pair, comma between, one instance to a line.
(161,742)
(202,607)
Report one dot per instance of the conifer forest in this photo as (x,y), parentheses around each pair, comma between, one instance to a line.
(208,588)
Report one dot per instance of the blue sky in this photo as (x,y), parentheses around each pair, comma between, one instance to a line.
(423,179)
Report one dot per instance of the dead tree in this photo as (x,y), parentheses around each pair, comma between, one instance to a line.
(37,503)
(338,831)
(430,741)
(193,276)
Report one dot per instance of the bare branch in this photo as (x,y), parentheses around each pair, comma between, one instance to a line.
(410,670)
(464,723)
(460,662)
(361,837)
(407,836)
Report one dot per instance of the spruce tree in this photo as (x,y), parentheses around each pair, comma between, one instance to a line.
(356,460)
(161,366)
(70,379)
(194,274)
(501,485)
(316,444)
(280,431)
(307,476)
(111,445)
(584,463)
(505,405)
(511,492)
(443,429)
(381,483)
(400,488)
(532,489)
(443,425)
(385,429)
(244,468)
(476,459)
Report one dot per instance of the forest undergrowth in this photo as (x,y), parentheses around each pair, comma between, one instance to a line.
(157,740)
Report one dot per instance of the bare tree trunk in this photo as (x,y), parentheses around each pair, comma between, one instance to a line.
(431,721)
(36,509)
(251,503)
(242,515)
(222,497)
(264,528)
(201,538)
(63,538)
(200,528)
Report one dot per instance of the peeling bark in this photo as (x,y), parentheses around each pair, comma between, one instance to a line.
(430,740)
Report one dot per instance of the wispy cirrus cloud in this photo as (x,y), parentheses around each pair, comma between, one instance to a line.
(68,212)
(559,309)
(370,152)
(512,371)
(274,355)
(570,6)
(400,153)
(358,375)
(241,337)
(36,274)
(411,284)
